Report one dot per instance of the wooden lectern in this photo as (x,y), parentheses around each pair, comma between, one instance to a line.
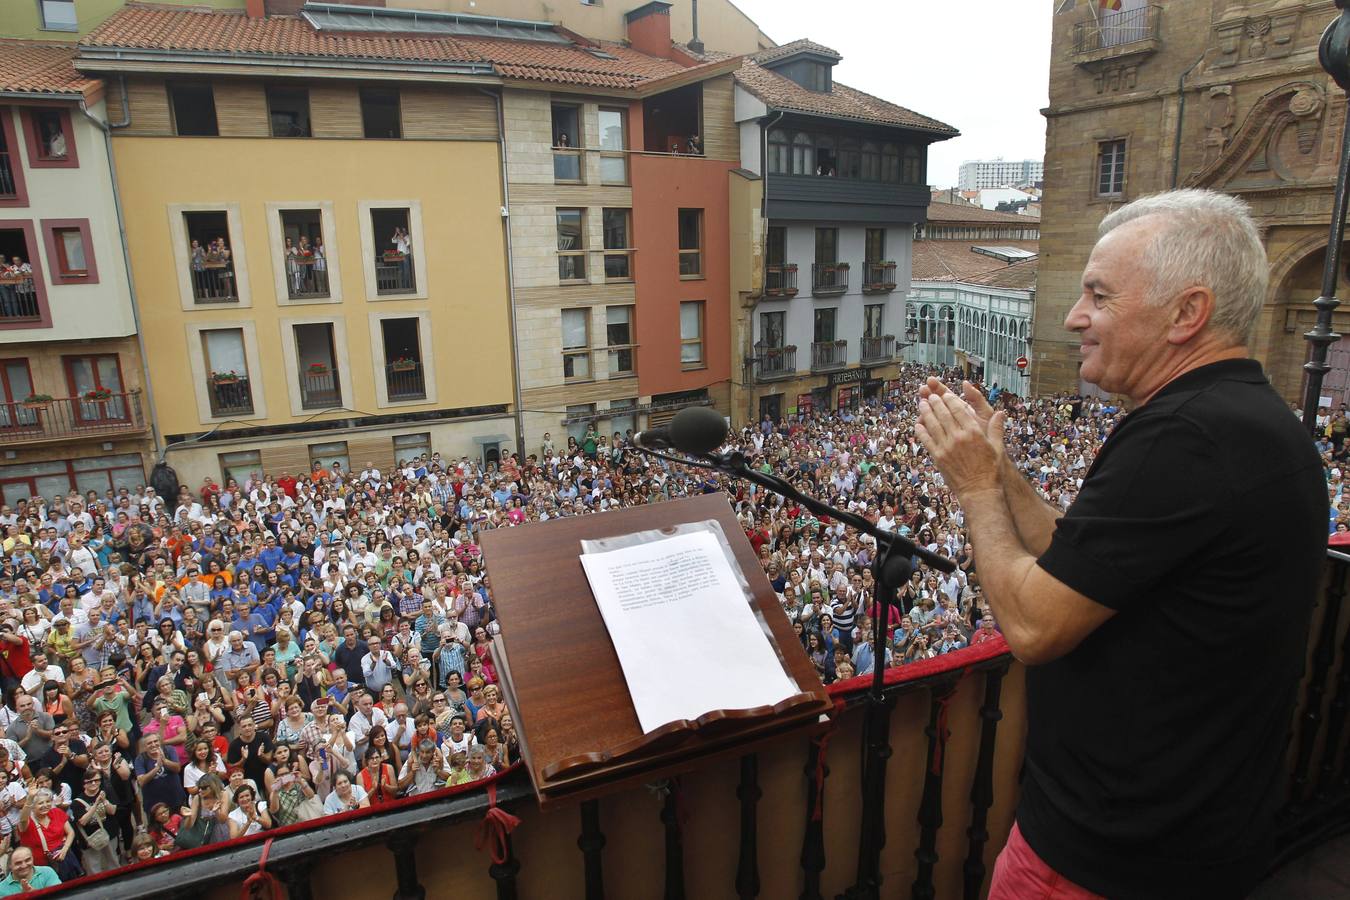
(579,734)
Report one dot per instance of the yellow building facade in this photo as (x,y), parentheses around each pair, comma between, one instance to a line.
(342,349)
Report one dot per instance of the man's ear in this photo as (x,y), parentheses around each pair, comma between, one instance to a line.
(1191,314)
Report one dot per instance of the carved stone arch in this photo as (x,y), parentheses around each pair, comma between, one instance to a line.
(1282,265)
(1250,158)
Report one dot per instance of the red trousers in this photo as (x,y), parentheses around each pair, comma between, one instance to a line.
(1019,874)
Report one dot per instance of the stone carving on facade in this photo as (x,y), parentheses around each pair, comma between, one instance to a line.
(1239,37)
(1116,78)
(1218,119)
(1272,148)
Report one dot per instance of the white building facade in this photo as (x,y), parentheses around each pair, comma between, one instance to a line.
(979,174)
(980,328)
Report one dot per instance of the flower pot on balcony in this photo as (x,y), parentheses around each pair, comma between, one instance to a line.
(393,256)
(36,402)
(98,396)
(402,366)
(224,379)
(317,372)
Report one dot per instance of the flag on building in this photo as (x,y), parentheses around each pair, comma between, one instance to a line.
(1113,5)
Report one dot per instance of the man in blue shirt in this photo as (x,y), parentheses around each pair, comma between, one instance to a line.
(24,876)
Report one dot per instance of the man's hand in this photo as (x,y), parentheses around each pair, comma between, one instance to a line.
(967,451)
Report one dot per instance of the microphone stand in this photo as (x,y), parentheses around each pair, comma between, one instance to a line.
(892,567)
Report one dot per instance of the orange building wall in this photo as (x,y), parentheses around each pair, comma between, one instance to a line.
(662,185)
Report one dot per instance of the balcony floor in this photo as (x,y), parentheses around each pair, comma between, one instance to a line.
(1320,874)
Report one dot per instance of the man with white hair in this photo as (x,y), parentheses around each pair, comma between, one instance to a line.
(1158,695)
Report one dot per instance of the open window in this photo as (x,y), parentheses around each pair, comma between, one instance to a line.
(392,233)
(228,386)
(380,114)
(571,245)
(288,111)
(194,109)
(691,243)
(51,140)
(22,298)
(303,254)
(405,375)
(567,140)
(671,120)
(211,257)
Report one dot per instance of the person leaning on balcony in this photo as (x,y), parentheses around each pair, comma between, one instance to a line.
(1158,696)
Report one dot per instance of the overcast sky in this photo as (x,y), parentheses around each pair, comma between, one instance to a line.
(980,66)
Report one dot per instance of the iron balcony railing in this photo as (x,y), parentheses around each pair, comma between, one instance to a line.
(775,362)
(306,279)
(19,299)
(214,282)
(878,349)
(829,355)
(320,390)
(71,418)
(230,397)
(1123,32)
(829,279)
(780,281)
(879,277)
(405,381)
(394,275)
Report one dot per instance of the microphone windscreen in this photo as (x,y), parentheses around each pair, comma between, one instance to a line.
(697,430)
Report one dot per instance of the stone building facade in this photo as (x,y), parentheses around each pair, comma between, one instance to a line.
(1197,93)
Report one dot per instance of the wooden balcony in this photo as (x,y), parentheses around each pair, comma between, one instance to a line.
(783,821)
(71,418)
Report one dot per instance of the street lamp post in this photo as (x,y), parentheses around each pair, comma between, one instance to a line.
(1334,55)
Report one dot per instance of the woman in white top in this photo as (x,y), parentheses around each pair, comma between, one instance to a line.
(249,815)
(345,796)
(204,761)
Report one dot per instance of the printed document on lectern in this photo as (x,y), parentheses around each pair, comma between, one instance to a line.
(686,638)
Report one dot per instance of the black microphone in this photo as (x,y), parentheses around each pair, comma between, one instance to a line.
(695,430)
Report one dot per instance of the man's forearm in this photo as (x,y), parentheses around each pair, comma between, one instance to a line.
(1004,561)
(1032,515)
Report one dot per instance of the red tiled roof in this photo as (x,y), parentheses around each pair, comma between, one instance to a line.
(41,68)
(955,261)
(148,27)
(840,102)
(570,64)
(145,26)
(960,212)
(1019,276)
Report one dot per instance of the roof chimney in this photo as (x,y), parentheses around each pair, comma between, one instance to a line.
(255,9)
(649,28)
(695,44)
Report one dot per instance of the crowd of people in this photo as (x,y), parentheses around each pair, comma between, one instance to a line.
(184,670)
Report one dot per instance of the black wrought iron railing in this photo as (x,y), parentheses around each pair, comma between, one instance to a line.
(70,418)
(215,283)
(19,299)
(405,381)
(829,355)
(306,279)
(775,362)
(878,349)
(230,397)
(320,389)
(780,281)
(394,275)
(879,277)
(829,280)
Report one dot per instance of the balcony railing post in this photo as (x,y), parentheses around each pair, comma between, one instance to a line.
(670,819)
(930,806)
(591,842)
(813,841)
(747,865)
(404,848)
(982,787)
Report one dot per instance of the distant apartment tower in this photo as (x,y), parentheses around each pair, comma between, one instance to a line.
(978,174)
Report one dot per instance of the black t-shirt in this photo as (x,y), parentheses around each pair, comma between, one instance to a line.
(72,774)
(255,767)
(1154,748)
